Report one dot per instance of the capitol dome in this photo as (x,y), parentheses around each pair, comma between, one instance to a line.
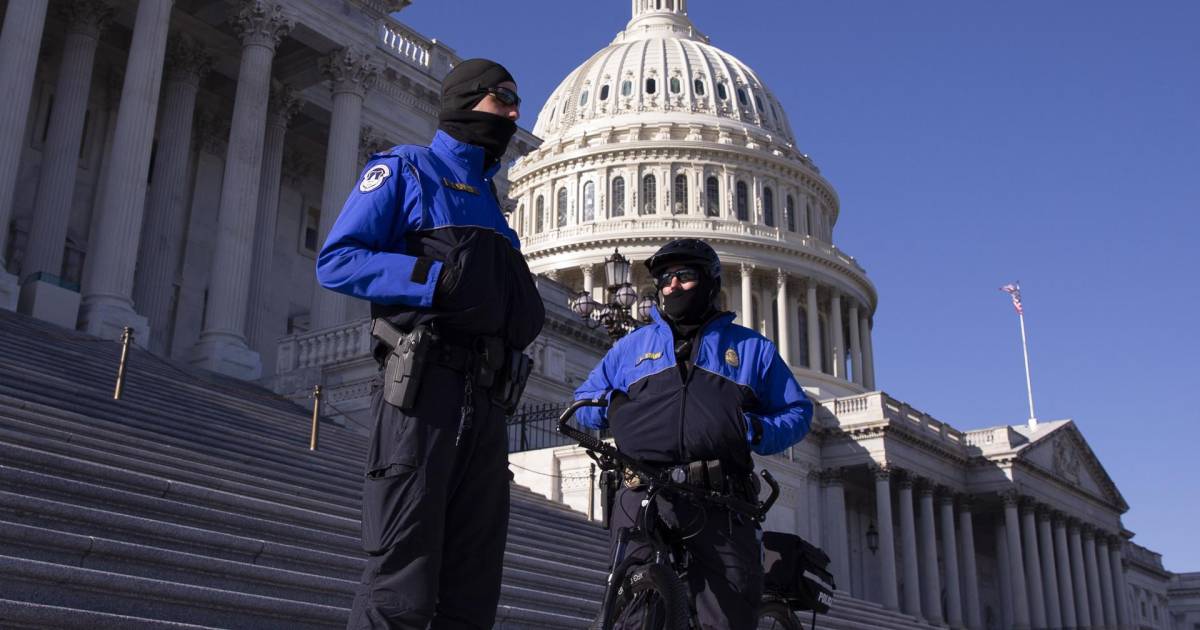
(661,135)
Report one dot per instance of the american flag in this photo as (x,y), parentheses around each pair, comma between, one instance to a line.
(1014,289)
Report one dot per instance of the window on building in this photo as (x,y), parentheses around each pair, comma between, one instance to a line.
(789,213)
(679,195)
(626,87)
(583,98)
(539,218)
(769,207)
(618,196)
(802,335)
(742,96)
(809,220)
(561,207)
(310,232)
(698,87)
(712,197)
(743,202)
(589,202)
(518,218)
(758,102)
(676,87)
(649,195)
(651,86)
(722,93)
(604,92)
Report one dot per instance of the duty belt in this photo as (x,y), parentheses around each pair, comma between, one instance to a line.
(706,474)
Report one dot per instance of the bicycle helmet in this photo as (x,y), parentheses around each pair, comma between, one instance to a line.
(687,251)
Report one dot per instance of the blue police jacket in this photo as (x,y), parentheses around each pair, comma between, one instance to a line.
(416,210)
(657,416)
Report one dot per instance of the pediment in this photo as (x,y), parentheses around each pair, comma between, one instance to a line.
(1065,455)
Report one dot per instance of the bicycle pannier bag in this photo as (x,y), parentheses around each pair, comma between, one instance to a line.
(797,572)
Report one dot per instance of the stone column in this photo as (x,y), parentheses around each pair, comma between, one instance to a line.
(1033,567)
(931,582)
(588,278)
(107,304)
(60,160)
(835,334)
(815,511)
(864,324)
(856,354)
(165,230)
(908,541)
(747,314)
(1083,609)
(1062,561)
(1020,595)
(351,73)
(1119,587)
(1003,573)
(835,506)
(20,41)
(1091,570)
(260,24)
(966,530)
(954,607)
(813,323)
(261,331)
(783,335)
(1049,571)
(1107,595)
(887,538)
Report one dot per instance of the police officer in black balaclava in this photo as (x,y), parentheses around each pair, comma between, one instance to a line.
(423,239)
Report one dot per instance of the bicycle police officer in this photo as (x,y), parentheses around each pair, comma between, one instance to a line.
(423,239)
(694,388)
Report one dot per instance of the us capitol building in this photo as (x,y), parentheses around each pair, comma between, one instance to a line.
(174,166)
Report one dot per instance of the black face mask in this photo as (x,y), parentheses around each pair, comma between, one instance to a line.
(690,308)
(488,131)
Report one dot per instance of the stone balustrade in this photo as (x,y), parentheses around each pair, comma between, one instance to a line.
(405,44)
(327,346)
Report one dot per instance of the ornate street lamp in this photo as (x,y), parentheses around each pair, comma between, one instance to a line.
(872,538)
(623,311)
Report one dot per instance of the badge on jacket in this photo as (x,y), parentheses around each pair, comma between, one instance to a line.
(459,186)
(374,178)
(731,357)
(649,355)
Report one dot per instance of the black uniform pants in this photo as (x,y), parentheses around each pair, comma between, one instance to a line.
(725,577)
(434,515)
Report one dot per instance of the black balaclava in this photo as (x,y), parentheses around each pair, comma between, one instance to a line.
(462,90)
(687,312)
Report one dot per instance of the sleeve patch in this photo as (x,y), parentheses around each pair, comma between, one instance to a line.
(374,178)
(420,272)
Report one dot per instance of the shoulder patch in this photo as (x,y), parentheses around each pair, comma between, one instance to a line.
(731,357)
(652,356)
(460,186)
(374,178)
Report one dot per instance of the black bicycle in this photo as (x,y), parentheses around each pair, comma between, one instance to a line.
(655,586)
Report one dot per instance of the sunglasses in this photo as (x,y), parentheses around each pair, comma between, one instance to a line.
(684,275)
(506,96)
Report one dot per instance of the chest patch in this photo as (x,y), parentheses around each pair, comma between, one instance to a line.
(731,358)
(374,178)
(459,186)
(652,356)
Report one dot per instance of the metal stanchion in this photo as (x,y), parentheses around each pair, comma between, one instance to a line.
(312,442)
(592,492)
(126,339)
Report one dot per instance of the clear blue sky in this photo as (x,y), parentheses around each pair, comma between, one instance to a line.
(972,144)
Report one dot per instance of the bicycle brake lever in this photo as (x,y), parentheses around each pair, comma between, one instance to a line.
(774,485)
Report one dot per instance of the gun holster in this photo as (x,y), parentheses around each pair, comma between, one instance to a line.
(610,482)
(514,374)
(405,364)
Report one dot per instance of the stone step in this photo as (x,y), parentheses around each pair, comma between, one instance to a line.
(30,616)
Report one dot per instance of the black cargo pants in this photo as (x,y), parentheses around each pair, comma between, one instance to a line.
(725,577)
(434,515)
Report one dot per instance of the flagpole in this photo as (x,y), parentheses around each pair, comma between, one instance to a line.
(1033,423)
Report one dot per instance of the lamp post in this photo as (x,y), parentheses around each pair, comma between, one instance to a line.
(872,538)
(622,311)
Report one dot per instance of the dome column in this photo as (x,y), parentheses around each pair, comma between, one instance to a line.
(747,313)
(868,355)
(856,355)
(782,334)
(812,321)
(835,335)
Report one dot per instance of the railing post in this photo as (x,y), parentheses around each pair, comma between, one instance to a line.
(524,419)
(126,338)
(312,440)
(591,492)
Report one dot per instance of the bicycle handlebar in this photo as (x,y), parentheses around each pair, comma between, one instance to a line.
(754,510)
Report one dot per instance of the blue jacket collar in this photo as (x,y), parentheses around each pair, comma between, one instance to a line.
(469,156)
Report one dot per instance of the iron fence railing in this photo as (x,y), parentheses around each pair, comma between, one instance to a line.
(534,427)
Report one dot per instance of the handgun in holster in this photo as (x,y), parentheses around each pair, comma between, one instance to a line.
(610,482)
(406,362)
(514,374)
